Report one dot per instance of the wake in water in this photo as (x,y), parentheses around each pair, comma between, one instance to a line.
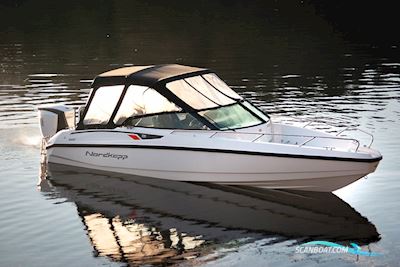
(25,136)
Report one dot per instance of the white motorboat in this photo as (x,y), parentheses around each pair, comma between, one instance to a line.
(184,123)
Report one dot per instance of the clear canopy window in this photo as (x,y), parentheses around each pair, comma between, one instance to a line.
(190,95)
(203,91)
(103,104)
(230,117)
(207,90)
(221,86)
(142,100)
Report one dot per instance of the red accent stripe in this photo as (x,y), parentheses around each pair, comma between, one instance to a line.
(134,136)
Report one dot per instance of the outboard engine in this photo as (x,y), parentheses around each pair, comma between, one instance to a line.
(54,118)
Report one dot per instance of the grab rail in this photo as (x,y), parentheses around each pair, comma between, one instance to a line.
(260,135)
(356,129)
(350,128)
(311,138)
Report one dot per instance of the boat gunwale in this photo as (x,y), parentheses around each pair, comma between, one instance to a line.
(226,151)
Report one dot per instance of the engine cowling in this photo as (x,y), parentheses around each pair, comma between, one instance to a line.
(54,118)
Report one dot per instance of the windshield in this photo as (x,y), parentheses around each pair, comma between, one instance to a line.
(231,117)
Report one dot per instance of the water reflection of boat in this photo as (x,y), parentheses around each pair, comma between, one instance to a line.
(145,220)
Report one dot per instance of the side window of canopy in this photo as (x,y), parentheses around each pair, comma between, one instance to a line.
(189,95)
(207,90)
(103,104)
(203,91)
(142,100)
(221,85)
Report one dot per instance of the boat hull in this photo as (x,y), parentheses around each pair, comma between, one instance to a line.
(267,171)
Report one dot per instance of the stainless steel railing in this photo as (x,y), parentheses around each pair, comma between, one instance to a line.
(258,136)
(346,129)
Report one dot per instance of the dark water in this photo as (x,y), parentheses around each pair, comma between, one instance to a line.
(332,62)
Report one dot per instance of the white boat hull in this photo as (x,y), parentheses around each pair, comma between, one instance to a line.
(217,167)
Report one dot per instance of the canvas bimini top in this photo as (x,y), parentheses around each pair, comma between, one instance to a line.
(146,75)
(166,96)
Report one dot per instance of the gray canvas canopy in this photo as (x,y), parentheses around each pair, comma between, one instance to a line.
(147,75)
(164,91)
